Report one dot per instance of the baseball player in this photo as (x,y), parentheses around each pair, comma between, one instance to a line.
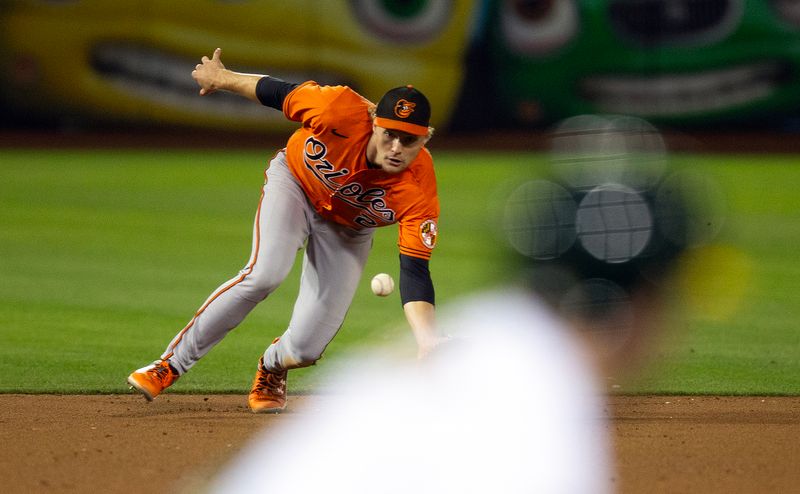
(350,168)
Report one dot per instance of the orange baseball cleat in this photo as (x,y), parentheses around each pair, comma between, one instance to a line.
(153,379)
(269,390)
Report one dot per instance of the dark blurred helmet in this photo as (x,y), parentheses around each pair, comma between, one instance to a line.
(611,218)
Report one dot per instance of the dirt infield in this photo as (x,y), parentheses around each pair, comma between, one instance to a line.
(706,444)
(121,444)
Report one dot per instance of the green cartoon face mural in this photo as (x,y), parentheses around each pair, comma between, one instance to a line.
(670,61)
(131,60)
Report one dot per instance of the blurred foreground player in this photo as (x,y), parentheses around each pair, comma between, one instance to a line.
(351,167)
(513,403)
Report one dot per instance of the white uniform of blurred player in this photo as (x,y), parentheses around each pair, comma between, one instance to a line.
(513,404)
(509,406)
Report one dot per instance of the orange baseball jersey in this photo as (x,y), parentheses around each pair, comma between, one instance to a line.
(327,155)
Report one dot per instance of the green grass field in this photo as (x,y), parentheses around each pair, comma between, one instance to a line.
(105,255)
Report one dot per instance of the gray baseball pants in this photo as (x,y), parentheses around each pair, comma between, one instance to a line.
(333,261)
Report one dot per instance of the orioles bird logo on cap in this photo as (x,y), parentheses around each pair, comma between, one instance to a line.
(404,108)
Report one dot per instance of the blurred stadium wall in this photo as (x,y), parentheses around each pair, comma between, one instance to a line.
(485,64)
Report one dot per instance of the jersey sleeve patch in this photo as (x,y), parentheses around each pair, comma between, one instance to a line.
(428,232)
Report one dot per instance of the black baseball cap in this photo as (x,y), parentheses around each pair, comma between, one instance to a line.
(406,109)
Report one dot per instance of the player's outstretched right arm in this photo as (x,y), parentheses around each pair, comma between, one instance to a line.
(211,75)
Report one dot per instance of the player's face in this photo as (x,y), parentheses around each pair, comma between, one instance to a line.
(393,150)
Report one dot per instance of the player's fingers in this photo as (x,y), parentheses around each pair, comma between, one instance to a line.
(204,59)
(217,54)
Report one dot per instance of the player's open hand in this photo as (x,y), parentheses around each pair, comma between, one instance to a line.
(209,72)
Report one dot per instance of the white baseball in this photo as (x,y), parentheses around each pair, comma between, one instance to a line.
(382,284)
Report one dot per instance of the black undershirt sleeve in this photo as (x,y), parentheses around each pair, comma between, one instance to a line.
(415,280)
(271,91)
